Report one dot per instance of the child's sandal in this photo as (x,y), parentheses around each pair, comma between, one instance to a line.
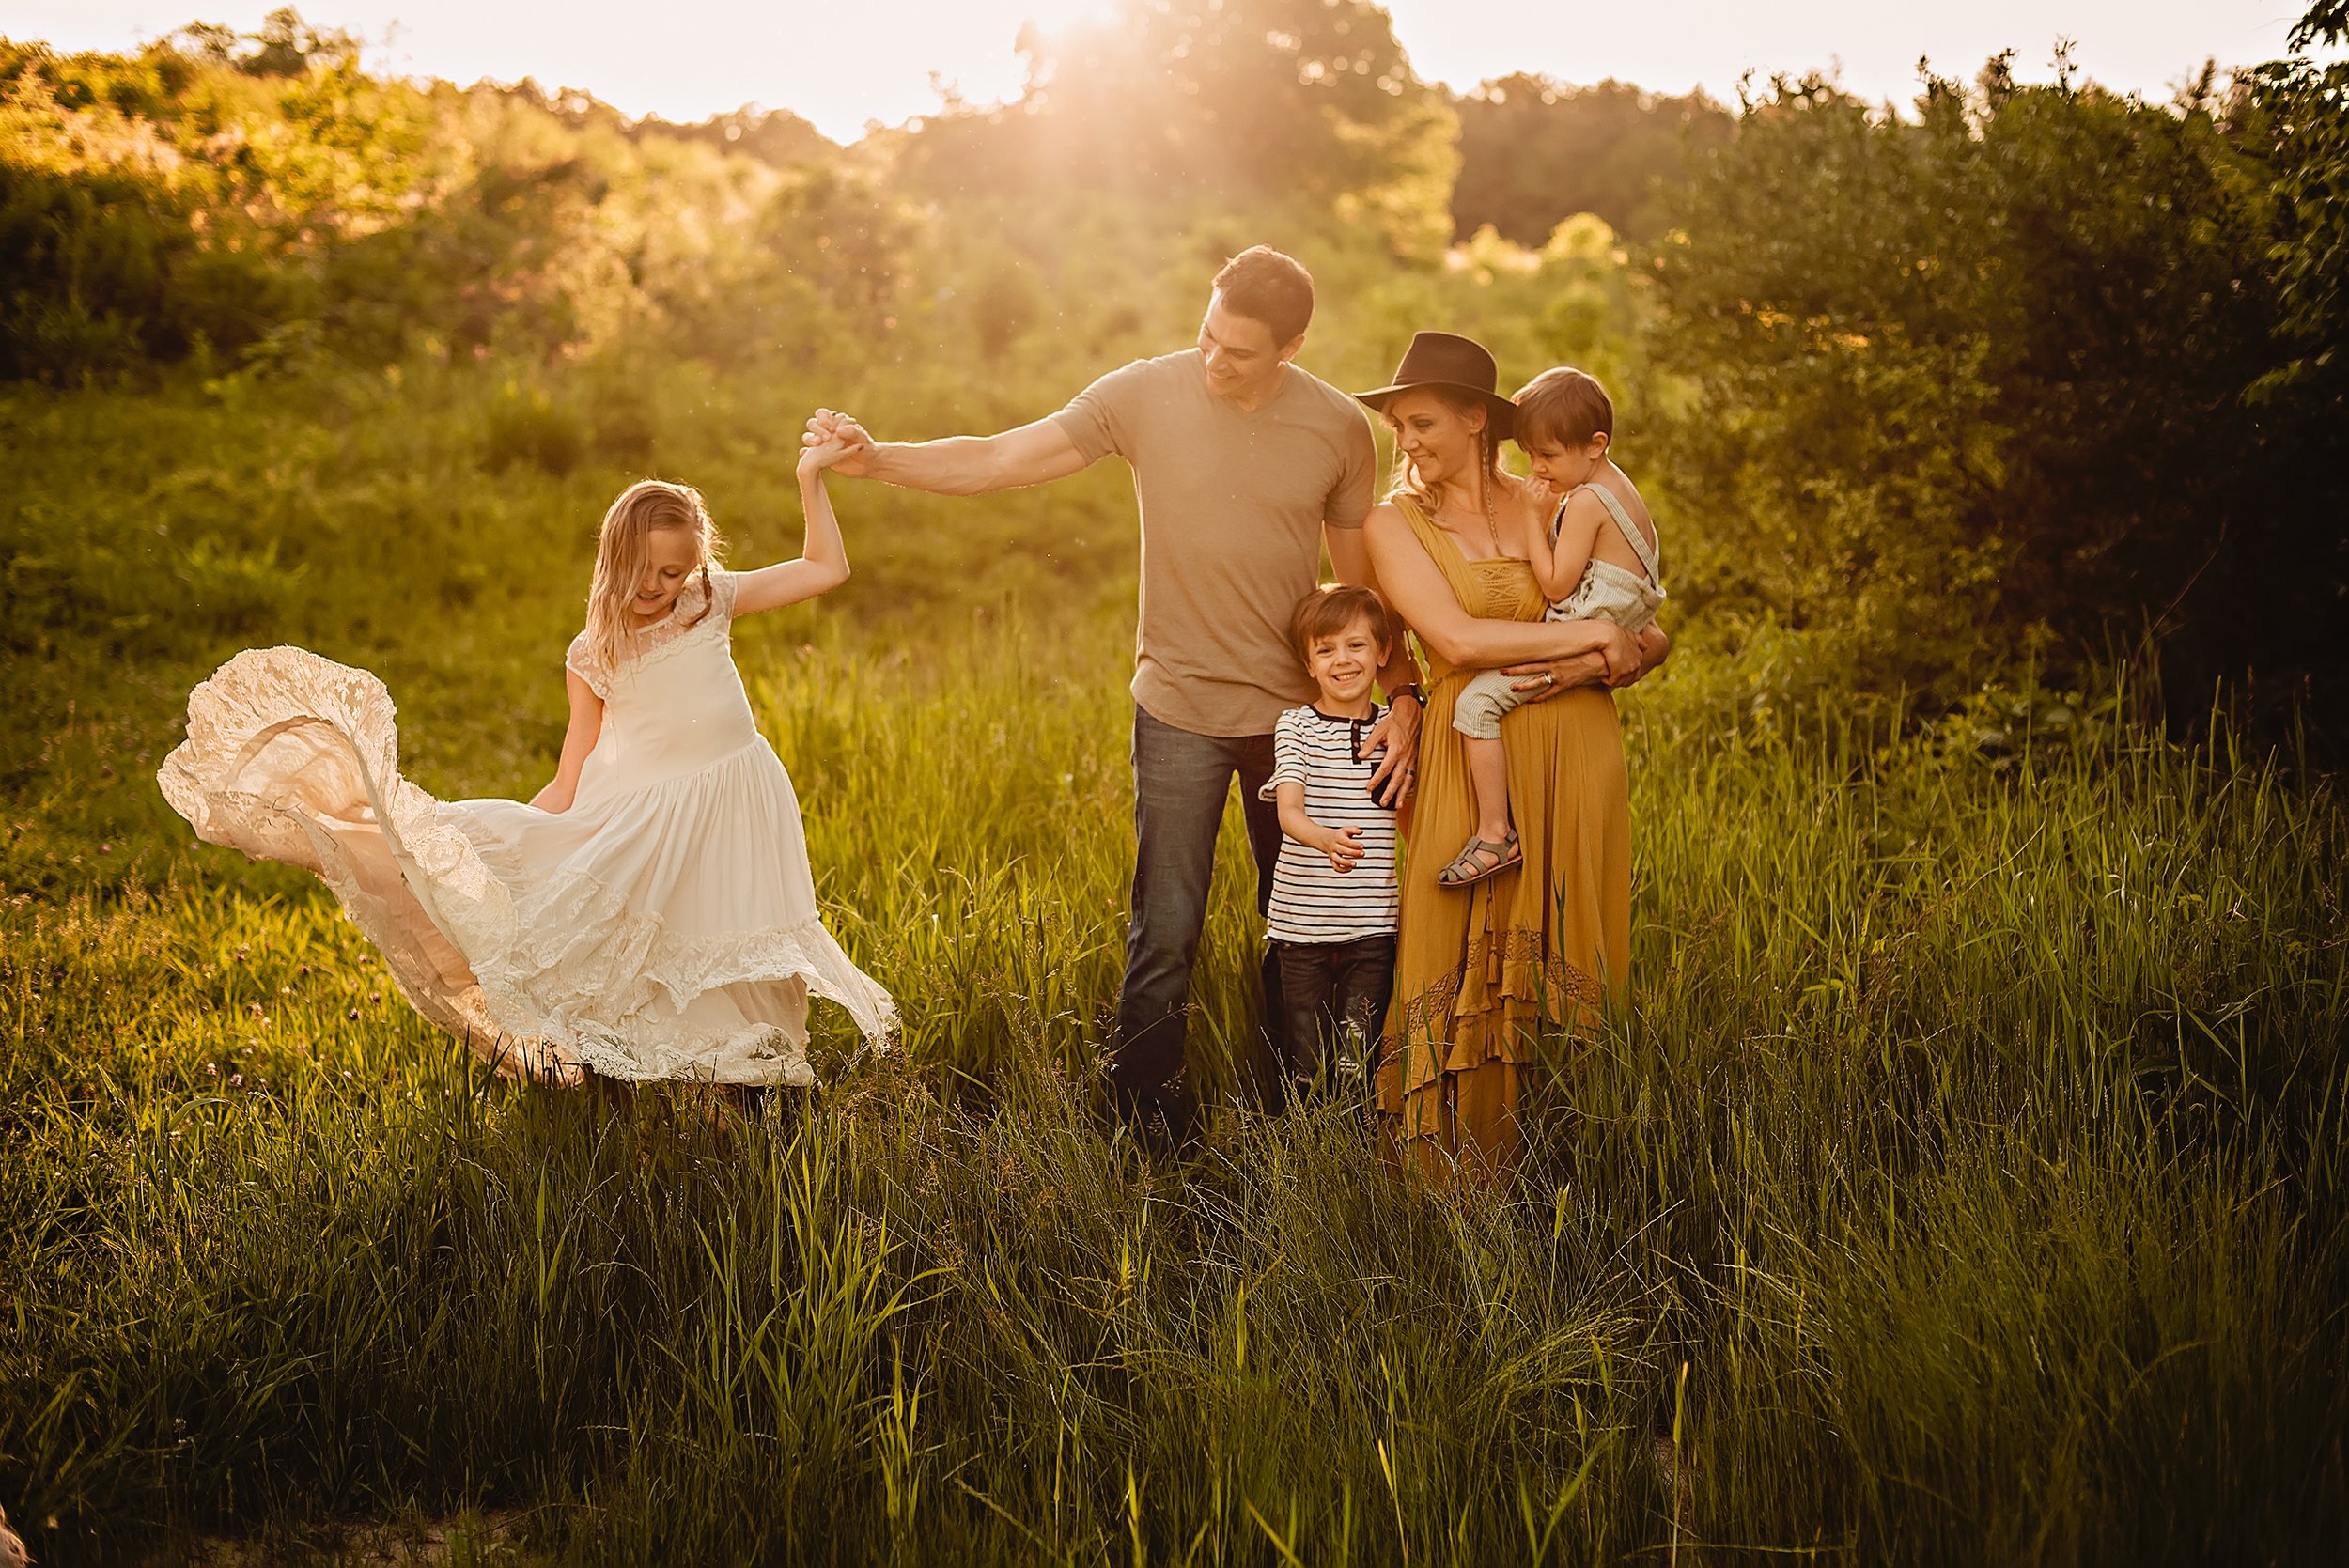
(1481,858)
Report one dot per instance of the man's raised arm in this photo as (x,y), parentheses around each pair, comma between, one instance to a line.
(958,465)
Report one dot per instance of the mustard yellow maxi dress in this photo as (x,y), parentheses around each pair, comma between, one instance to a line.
(1482,973)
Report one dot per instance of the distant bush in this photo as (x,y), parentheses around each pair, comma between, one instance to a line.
(193,199)
(239,593)
(526,425)
(1979,387)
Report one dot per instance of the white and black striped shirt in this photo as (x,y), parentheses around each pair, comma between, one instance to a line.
(1310,901)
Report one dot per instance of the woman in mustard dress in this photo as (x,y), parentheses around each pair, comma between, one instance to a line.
(1483,970)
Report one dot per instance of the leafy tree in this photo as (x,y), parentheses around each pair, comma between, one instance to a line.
(1241,102)
(2304,110)
(1973,386)
(1534,152)
(775,137)
(285,46)
(226,198)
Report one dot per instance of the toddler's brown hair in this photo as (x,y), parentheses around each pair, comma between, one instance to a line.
(1329,609)
(1564,406)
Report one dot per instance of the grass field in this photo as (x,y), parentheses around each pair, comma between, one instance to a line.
(1963,1185)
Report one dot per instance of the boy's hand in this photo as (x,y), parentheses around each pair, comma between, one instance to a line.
(1343,845)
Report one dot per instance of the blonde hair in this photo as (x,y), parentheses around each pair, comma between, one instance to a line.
(1406,478)
(643,506)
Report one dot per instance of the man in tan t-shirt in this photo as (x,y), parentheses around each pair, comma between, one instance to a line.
(1245,466)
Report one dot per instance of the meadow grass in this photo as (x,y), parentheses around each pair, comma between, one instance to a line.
(1962,1184)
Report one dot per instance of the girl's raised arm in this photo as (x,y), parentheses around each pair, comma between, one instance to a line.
(578,740)
(824,562)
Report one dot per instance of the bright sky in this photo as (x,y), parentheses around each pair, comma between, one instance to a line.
(844,64)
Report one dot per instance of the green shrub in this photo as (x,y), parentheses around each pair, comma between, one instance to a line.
(1976,385)
(528,425)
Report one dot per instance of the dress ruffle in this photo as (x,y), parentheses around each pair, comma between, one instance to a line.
(541,969)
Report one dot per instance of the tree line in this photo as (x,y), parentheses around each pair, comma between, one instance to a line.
(2017,379)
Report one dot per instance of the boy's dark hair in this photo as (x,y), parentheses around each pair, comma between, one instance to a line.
(1326,612)
(1265,286)
(1565,406)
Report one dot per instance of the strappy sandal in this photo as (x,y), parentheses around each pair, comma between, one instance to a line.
(1469,866)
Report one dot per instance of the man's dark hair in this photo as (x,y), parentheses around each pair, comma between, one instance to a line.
(1265,286)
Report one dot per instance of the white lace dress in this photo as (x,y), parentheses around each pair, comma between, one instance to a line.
(663,927)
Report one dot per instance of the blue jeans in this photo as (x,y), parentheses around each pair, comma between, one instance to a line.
(1180,783)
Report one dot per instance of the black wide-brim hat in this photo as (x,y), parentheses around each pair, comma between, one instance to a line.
(1460,363)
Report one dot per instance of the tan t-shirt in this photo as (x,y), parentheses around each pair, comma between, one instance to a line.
(1233,504)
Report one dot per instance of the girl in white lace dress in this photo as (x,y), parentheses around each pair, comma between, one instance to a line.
(650,913)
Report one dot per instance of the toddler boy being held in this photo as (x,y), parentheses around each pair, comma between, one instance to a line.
(1334,899)
(1597,563)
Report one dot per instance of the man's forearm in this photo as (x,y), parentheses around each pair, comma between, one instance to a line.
(955,465)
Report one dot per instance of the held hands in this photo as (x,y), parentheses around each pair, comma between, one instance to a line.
(1622,653)
(829,428)
(1618,660)
(817,457)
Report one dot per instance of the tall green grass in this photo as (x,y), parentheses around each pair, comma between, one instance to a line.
(1963,1185)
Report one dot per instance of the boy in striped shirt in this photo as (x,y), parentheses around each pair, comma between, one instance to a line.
(1333,891)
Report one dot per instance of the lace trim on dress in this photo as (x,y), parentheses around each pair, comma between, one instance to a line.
(695,611)
(1428,1016)
(551,972)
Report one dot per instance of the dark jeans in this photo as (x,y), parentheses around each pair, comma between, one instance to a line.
(1326,987)
(1180,783)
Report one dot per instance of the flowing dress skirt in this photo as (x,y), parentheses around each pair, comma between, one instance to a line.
(663,927)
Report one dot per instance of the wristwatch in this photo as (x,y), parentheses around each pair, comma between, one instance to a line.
(1411,691)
